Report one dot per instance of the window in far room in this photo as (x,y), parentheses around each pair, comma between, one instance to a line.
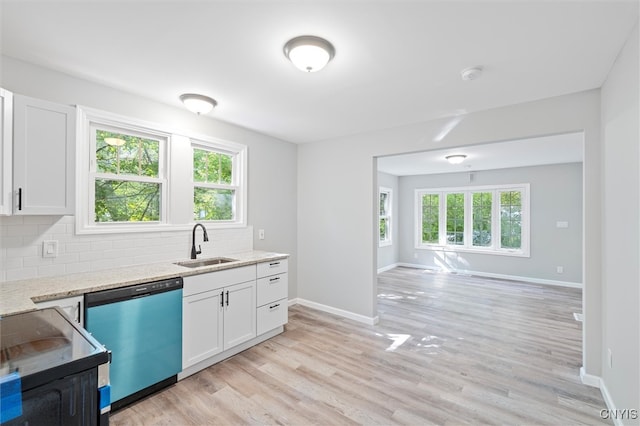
(490,219)
(385,212)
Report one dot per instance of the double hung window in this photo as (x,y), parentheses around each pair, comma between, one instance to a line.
(385,216)
(137,176)
(216,183)
(127,173)
(491,219)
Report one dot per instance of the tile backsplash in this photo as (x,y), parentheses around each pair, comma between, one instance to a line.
(21,240)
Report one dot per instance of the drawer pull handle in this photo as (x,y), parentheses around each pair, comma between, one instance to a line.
(274,264)
(274,306)
(274,279)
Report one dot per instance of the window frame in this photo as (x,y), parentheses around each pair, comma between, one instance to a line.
(175,163)
(467,246)
(238,179)
(387,216)
(162,179)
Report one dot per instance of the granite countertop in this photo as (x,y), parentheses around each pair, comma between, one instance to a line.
(19,296)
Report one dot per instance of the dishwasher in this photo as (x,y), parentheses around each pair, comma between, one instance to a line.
(142,327)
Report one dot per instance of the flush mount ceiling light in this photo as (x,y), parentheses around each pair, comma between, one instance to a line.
(114,141)
(309,53)
(471,73)
(455,158)
(200,104)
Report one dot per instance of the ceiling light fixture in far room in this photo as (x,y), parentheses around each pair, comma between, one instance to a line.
(455,158)
(309,53)
(471,73)
(199,104)
(114,141)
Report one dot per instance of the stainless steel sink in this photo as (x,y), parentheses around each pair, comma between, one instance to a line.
(205,262)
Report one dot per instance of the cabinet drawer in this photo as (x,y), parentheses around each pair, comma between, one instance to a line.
(272,288)
(274,267)
(272,315)
(195,284)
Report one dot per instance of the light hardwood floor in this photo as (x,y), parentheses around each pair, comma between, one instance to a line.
(449,349)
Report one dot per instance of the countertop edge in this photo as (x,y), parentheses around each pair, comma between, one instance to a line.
(22,295)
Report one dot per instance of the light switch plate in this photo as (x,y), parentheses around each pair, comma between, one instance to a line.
(50,248)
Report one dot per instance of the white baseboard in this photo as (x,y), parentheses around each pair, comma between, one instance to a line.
(499,276)
(597,382)
(387,268)
(610,405)
(340,312)
(589,379)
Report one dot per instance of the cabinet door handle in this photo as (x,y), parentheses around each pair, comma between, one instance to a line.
(227,297)
(78,313)
(19,198)
(222,299)
(274,279)
(274,306)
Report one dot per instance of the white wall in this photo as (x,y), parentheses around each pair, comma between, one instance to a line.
(555,195)
(337,203)
(621,228)
(388,255)
(272,185)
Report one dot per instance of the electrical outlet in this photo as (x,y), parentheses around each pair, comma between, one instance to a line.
(50,248)
(560,269)
(610,358)
(261,234)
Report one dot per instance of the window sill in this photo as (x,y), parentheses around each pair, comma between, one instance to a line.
(138,228)
(454,249)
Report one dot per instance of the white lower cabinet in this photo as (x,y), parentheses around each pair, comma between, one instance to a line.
(227,311)
(219,312)
(72,306)
(239,314)
(273,295)
(202,327)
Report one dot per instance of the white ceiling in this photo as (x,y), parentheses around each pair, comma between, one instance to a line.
(397,62)
(557,149)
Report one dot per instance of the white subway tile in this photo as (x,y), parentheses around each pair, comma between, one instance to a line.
(77,247)
(12,220)
(39,220)
(74,268)
(36,261)
(22,230)
(25,251)
(21,274)
(51,270)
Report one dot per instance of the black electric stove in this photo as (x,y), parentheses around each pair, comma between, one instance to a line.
(55,364)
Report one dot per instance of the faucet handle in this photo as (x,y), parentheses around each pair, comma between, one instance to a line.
(199,249)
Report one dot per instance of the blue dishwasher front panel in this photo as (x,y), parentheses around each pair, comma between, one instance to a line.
(144,336)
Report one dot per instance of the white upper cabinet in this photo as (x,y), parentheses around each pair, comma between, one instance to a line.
(43,157)
(6,142)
